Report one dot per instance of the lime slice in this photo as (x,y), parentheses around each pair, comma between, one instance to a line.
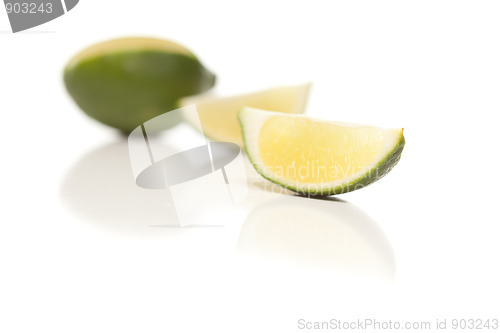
(125,82)
(318,157)
(218,116)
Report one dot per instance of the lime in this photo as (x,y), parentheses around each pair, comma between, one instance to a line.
(125,82)
(318,157)
(218,116)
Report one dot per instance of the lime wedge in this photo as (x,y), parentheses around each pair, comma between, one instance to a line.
(317,157)
(218,116)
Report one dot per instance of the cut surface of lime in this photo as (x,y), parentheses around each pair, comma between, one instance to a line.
(218,116)
(318,157)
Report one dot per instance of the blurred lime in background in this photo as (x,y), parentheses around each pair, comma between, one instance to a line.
(125,82)
(218,115)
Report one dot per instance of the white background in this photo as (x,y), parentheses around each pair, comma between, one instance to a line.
(77,249)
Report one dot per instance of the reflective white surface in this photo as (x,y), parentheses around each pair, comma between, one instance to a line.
(323,232)
(82,249)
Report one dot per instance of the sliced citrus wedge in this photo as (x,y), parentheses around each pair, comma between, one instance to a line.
(317,157)
(218,116)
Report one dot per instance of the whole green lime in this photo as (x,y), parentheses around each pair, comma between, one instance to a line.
(125,82)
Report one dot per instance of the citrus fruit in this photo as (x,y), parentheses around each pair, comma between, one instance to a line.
(218,116)
(318,157)
(125,82)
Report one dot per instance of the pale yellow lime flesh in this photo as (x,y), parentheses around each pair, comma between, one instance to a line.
(315,156)
(218,116)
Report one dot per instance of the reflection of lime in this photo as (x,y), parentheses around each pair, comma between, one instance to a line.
(218,116)
(125,82)
(318,157)
(328,233)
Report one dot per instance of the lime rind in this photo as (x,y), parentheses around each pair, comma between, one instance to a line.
(123,83)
